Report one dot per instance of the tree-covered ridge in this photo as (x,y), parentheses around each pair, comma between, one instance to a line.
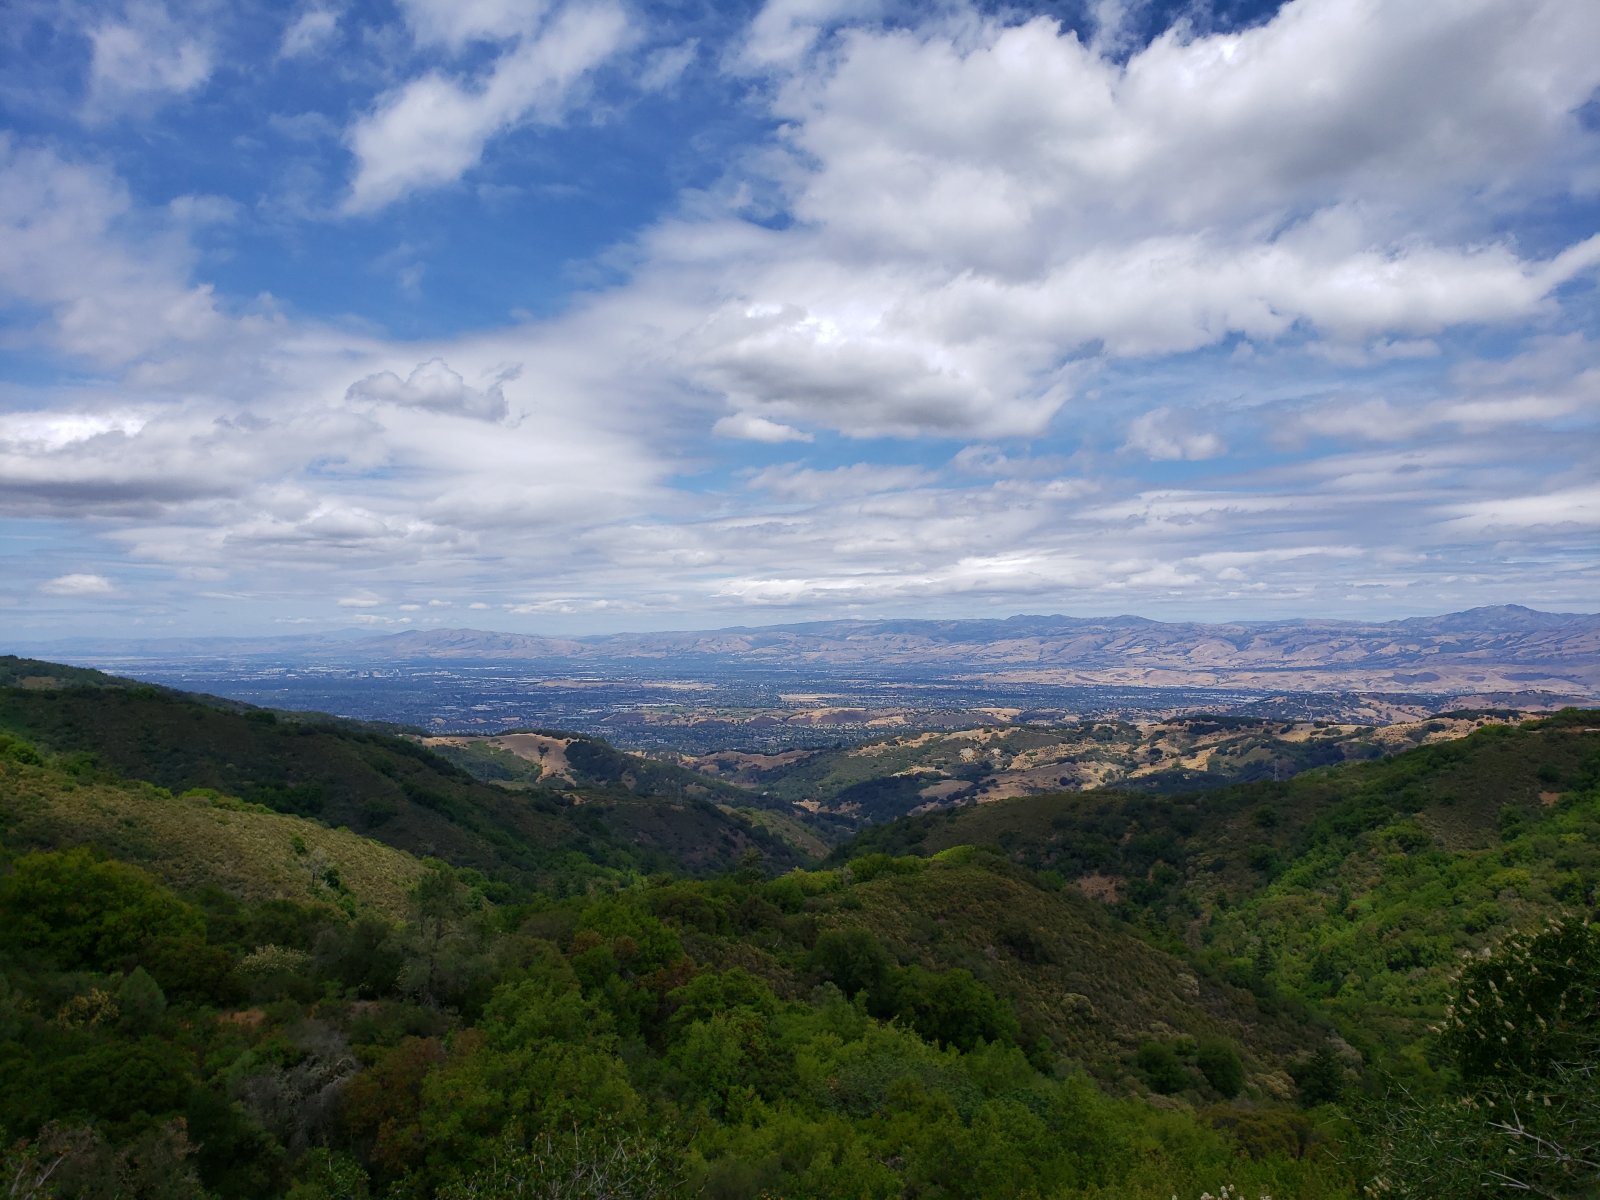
(196,839)
(1357,887)
(377,783)
(724,1031)
(194,1048)
(1026,1012)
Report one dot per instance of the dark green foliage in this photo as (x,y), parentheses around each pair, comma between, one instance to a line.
(854,961)
(1219,1062)
(1162,1069)
(1532,1004)
(122,1086)
(72,910)
(141,1003)
(1319,1077)
(883,798)
(951,1008)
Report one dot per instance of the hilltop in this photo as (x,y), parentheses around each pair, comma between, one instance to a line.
(1499,655)
(1075,995)
(932,769)
(1359,885)
(376,782)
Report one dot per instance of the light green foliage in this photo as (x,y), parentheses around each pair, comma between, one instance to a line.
(958,1025)
(1524,1118)
(584,1163)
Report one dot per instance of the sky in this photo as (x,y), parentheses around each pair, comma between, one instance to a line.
(570,316)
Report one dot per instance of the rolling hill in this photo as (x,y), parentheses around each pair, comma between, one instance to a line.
(895,776)
(1360,885)
(1498,655)
(380,784)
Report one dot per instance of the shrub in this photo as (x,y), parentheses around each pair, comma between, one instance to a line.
(1158,1062)
(1219,1063)
(79,912)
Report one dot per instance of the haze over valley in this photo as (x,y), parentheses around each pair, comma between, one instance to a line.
(785,686)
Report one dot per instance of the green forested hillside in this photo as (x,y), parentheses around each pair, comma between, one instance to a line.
(194,840)
(1358,887)
(1075,997)
(180,1018)
(385,786)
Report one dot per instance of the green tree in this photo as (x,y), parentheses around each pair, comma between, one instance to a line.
(76,911)
(1219,1063)
(853,960)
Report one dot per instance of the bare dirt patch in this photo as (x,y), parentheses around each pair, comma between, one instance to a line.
(1105,888)
(549,752)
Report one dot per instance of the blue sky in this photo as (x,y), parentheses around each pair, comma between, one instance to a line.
(591,315)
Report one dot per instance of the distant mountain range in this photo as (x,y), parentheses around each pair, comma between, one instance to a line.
(1503,651)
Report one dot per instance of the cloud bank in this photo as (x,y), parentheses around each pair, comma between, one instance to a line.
(932,311)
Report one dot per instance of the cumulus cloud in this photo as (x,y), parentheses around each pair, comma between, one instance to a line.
(309,33)
(757,429)
(975,200)
(432,385)
(832,363)
(144,57)
(1165,434)
(432,130)
(78,585)
(111,281)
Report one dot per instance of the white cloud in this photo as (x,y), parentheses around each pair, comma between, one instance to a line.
(111,296)
(79,585)
(146,57)
(432,385)
(790,481)
(757,429)
(975,200)
(1575,507)
(784,31)
(1378,419)
(664,67)
(567,607)
(455,24)
(433,130)
(309,33)
(1164,434)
